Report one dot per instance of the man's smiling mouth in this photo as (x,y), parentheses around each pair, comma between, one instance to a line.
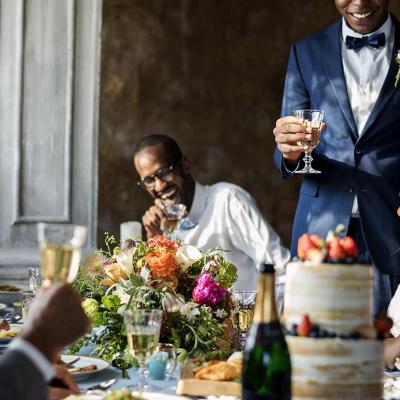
(361,15)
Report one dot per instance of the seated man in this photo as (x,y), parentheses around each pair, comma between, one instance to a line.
(55,320)
(220,215)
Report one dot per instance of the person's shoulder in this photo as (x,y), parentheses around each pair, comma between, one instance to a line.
(226,190)
(316,37)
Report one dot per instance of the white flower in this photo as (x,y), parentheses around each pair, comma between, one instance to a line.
(187,255)
(190,310)
(124,259)
(120,292)
(145,273)
(172,303)
(220,313)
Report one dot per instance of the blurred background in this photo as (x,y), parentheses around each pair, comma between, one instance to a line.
(210,74)
(81,81)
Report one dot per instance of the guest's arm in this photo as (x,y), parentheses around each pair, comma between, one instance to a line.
(391,350)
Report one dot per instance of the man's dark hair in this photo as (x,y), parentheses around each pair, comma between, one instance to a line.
(169,145)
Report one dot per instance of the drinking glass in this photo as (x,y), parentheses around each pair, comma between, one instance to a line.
(312,119)
(35,280)
(244,302)
(60,250)
(174,213)
(143,331)
(162,363)
(26,298)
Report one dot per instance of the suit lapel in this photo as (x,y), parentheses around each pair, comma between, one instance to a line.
(332,61)
(388,88)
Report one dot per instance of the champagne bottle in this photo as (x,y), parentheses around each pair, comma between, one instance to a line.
(266,360)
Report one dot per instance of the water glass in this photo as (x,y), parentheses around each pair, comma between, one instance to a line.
(143,331)
(26,299)
(162,363)
(35,280)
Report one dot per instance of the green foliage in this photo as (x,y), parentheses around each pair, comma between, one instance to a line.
(86,286)
(196,334)
(227,274)
(111,302)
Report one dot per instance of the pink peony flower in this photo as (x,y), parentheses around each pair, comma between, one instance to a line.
(208,291)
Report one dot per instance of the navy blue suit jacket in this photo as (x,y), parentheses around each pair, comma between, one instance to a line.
(367,165)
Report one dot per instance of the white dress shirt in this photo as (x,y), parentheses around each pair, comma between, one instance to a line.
(225,215)
(394,313)
(35,356)
(364,72)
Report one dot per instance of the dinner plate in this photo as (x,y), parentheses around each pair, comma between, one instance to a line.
(15,327)
(393,373)
(144,396)
(84,361)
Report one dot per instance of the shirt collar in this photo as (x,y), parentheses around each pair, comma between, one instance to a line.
(386,28)
(199,202)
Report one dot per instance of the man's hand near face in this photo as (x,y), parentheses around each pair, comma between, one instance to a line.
(153,219)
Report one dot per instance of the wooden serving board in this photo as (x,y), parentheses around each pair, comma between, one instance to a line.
(189,386)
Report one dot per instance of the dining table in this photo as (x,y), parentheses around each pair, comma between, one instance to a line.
(166,389)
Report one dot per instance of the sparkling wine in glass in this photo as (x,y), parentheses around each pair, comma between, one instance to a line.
(60,250)
(312,119)
(173,213)
(244,302)
(143,331)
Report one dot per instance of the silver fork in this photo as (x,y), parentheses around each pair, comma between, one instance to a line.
(101,386)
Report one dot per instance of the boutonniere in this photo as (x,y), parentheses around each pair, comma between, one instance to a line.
(397,81)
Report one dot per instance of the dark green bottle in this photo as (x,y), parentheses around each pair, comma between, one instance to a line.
(266,360)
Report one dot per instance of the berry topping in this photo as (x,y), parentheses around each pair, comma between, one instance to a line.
(349,246)
(383,324)
(305,326)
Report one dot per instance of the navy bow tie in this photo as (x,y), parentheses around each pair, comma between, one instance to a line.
(377,40)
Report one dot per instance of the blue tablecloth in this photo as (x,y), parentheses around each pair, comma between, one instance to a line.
(165,386)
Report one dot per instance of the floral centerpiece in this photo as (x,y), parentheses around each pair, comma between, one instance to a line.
(191,287)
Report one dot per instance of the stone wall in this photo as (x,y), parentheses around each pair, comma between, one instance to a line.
(209,73)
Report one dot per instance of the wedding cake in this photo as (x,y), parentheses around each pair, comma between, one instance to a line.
(333,346)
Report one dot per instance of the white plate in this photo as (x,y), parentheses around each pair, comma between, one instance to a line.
(2,306)
(83,362)
(392,374)
(145,396)
(16,327)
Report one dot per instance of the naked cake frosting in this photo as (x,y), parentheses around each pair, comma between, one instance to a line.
(334,348)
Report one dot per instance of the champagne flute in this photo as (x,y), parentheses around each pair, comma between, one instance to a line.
(173,213)
(143,331)
(60,250)
(244,302)
(312,119)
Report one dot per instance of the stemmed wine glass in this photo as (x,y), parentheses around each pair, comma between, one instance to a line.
(173,213)
(244,302)
(312,119)
(143,331)
(60,250)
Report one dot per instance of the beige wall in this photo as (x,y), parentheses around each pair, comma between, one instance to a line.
(209,73)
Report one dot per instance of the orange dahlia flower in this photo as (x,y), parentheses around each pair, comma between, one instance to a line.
(162,263)
(163,241)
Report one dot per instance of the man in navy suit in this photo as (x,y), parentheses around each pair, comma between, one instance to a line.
(348,70)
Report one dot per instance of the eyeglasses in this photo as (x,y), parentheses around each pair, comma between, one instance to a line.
(166,174)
